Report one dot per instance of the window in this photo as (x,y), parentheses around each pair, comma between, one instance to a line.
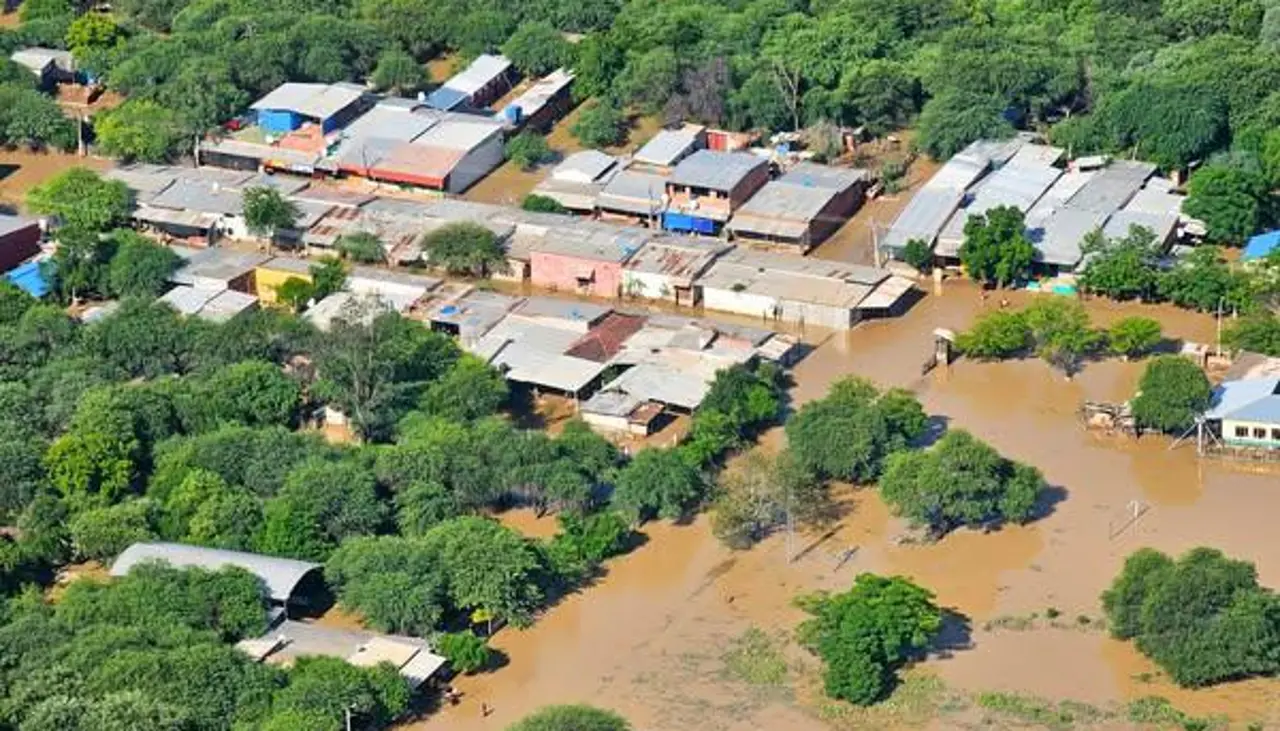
(1242,431)
(1259,433)
(1275,434)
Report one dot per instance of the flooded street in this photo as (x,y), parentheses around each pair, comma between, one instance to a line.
(21,169)
(647,639)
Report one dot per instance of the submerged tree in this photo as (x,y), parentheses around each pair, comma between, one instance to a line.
(996,249)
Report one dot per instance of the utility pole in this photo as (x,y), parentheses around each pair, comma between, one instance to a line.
(347,712)
(1219,346)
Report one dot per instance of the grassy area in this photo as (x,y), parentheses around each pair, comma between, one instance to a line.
(756,658)
(1040,712)
(1160,713)
(918,700)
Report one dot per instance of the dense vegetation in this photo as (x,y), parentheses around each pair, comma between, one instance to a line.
(866,634)
(571,718)
(1203,617)
(1173,391)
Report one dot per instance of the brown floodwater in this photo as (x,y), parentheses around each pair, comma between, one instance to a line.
(21,169)
(647,638)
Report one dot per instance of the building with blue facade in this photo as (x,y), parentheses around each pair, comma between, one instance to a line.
(291,105)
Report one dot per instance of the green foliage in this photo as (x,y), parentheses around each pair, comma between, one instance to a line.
(1134,336)
(960,481)
(320,504)
(296,292)
(466,653)
(542,204)
(102,533)
(141,130)
(847,435)
(865,634)
(328,275)
(397,72)
(1122,269)
(32,119)
(996,249)
(266,211)
(252,393)
(140,267)
(658,482)
(396,584)
(1060,330)
(488,567)
(1203,618)
(584,542)
(571,718)
(143,339)
(1172,393)
(996,335)
(599,125)
(528,150)
(1229,200)
(1203,281)
(82,199)
(537,48)
(951,121)
(740,402)
(327,688)
(918,254)
(362,247)
(80,264)
(1259,332)
(465,248)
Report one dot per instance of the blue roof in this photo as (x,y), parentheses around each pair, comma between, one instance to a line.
(1254,399)
(28,277)
(1261,245)
(445,99)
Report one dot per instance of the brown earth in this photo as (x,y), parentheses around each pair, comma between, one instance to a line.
(21,169)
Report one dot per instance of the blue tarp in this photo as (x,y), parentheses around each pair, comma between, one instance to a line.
(446,99)
(685,222)
(1261,245)
(30,279)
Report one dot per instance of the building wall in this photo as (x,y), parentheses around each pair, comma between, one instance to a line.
(476,164)
(769,308)
(748,186)
(743,303)
(558,272)
(267,280)
(1270,438)
(648,285)
(18,246)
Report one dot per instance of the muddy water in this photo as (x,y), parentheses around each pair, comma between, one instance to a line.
(647,638)
(22,169)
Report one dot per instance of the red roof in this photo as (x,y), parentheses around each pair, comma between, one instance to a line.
(605,340)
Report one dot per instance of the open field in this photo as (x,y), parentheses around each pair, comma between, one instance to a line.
(649,638)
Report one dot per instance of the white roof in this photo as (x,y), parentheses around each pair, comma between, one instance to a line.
(478,74)
(793,278)
(188,300)
(319,101)
(1020,183)
(281,575)
(460,134)
(669,146)
(38,58)
(584,166)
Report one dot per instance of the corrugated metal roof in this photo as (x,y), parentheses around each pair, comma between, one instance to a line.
(190,195)
(227,304)
(460,134)
(714,170)
(670,146)
(794,278)
(1020,183)
(782,206)
(827,177)
(187,300)
(281,575)
(592,240)
(540,94)
(680,258)
(1251,400)
(929,209)
(478,74)
(37,58)
(584,166)
(319,101)
(635,192)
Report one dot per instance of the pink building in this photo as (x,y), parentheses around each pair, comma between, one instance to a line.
(584,258)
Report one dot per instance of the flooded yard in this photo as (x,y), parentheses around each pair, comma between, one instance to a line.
(21,169)
(648,638)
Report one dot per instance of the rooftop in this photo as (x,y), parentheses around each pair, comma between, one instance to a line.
(1019,184)
(715,170)
(10,223)
(478,74)
(825,177)
(584,166)
(37,58)
(793,278)
(631,191)
(280,575)
(204,267)
(593,240)
(679,257)
(669,146)
(1260,246)
(318,101)
(542,92)
(1256,400)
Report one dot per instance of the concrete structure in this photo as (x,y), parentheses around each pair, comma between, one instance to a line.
(667,148)
(282,578)
(50,65)
(707,187)
(1248,412)
(665,268)
(465,312)
(477,86)
(579,179)
(802,208)
(292,104)
(269,275)
(633,196)
(584,258)
(548,99)
(19,240)
(1077,204)
(800,290)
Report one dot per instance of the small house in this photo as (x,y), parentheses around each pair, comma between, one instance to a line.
(30,278)
(707,187)
(667,148)
(802,208)
(269,275)
(633,196)
(666,267)
(51,66)
(216,269)
(1248,412)
(481,83)
(293,104)
(585,258)
(579,179)
(542,104)
(19,240)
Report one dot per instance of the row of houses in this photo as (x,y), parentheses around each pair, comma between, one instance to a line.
(1062,204)
(554,252)
(677,183)
(444,141)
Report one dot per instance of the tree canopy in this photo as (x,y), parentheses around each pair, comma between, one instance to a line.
(465,248)
(848,434)
(996,249)
(1172,393)
(571,718)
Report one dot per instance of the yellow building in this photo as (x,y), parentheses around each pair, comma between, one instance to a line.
(269,276)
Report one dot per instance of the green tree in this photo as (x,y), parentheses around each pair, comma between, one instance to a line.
(102,533)
(658,482)
(996,249)
(82,199)
(952,120)
(327,688)
(918,254)
(571,718)
(488,567)
(396,584)
(996,335)
(140,129)
(1203,281)
(599,125)
(96,461)
(959,481)
(92,31)
(1133,337)
(1122,269)
(528,150)
(1172,393)
(397,72)
(322,503)
(140,267)
(296,293)
(362,247)
(253,393)
(79,266)
(267,212)
(848,434)
(328,275)
(762,493)
(1229,200)
(537,48)
(30,118)
(1061,332)
(542,204)
(470,389)
(466,653)
(143,338)
(865,634)
(1259,332)
(465,248)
